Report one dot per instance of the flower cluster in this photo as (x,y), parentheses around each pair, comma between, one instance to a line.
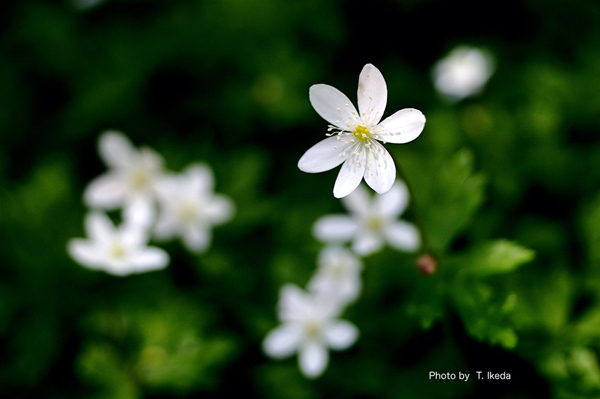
(310,319)
(154,203)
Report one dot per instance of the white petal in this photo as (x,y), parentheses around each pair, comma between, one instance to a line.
(336,228)
(106,191)
(118,267)
(200,178)
(196,238)
(350,290)
(294,304)
(166,226)
(85,253)
(140,211)
(282,341)
(358,201)
(367,242)
(339,290)
(325,155)
(350,175)
(170,186)
(99,227)
(335,255)
(402,127)
(403,236)
(313,358)
(149,258)
(372,94)
(220,209)
(133,234)
(341,334)
(394,202)
(332,105)
(381,170)
(116,150)
(151,160)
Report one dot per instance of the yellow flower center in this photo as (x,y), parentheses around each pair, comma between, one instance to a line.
(312,328)
(187,211)
(117,250)
(374,223)
(139,179)
(338,269)
(361,132)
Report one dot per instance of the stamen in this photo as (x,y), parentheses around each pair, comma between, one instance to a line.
(361,132)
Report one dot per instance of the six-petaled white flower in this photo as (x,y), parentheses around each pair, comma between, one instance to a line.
(310,326)
(338,275)
(372,222)
(462,73)
(189,208)
(130,181)
(356,135)
(118,251)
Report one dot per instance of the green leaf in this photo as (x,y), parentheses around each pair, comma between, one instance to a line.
(493,257)
(487,314)
(447,198)
(548,303)
(100,365)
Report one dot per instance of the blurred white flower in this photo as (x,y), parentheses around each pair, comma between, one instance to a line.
(117,250)
(86,4)
(463,72)
(338,275)
(189,208)
(372,222)
(130,181)
(355,136)
(310,326)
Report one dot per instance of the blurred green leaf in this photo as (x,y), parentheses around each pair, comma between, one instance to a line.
(487,314)
(449,199)
(492,257)
(100,365)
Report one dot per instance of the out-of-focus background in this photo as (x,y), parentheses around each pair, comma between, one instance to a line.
(226,82)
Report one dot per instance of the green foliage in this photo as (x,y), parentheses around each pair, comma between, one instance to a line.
(490,258)
(449,195)
(487,312)
(163,349)
(504,189)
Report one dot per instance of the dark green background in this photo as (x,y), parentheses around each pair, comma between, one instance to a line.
(226,82)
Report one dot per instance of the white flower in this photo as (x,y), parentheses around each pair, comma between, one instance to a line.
(356,136)
(189,208)
(86,4)
(130,181)
(372,222)
(118,251)
(463,72)
(338,275)
(310,326)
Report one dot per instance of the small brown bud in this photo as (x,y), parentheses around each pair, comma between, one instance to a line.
(426,264)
